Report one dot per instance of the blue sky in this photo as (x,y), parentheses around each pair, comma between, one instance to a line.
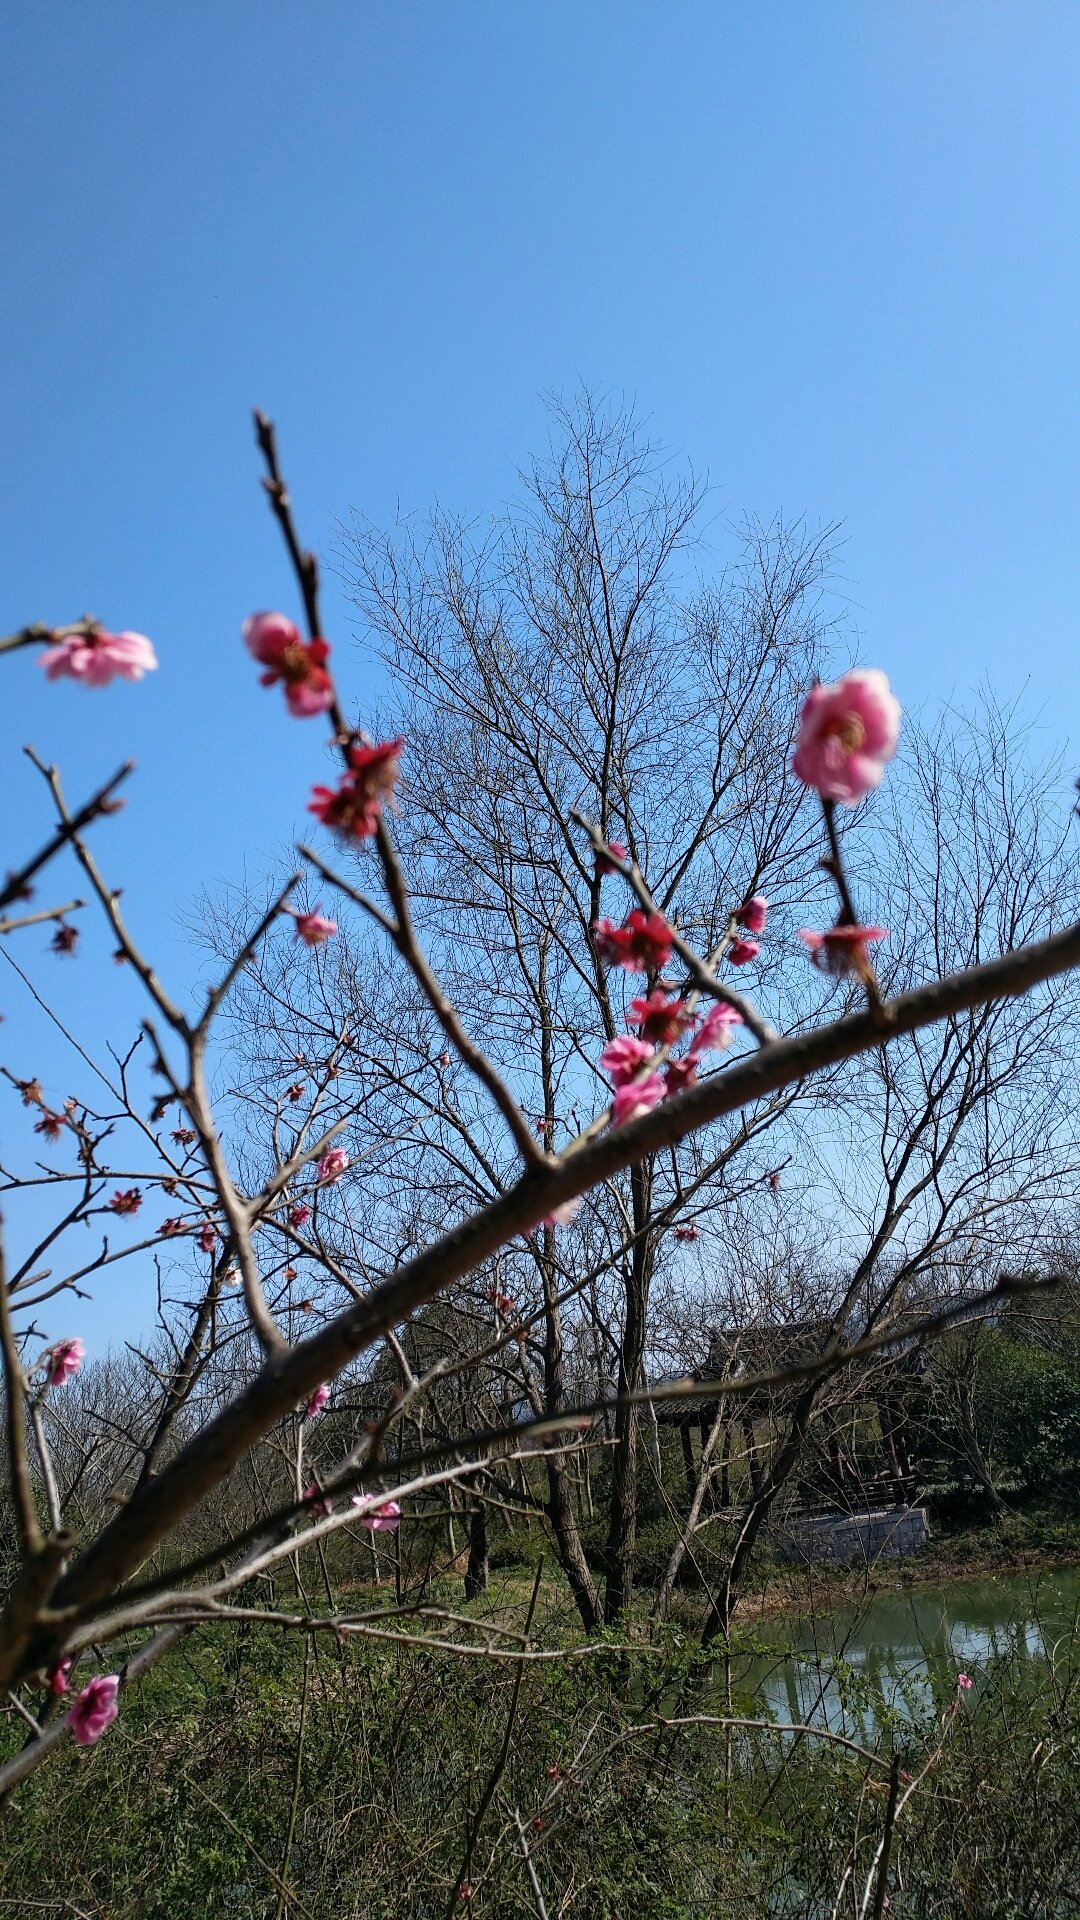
(830,251)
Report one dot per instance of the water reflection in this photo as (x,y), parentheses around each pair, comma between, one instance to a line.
(899,1653)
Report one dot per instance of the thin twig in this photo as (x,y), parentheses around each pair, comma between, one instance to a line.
(36,919)
(17,884)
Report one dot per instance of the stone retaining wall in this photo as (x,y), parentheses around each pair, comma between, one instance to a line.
(842,1537)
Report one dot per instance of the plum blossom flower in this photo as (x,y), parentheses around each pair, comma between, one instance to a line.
(58,1676)
(689,1232)
(753,913)
(331,1166)
(125,1200)
(611,861)
(741,951)
(381,1519)
(296,1091)
(314,927)
(51,1124)
(172,1225)
(643,945)
(96,658)
(317,1500)
(64,1361)
(843,949)
(65,939)
(637,1097)
(680,1074)
(847,731)
(317,1402)
(183,1136)
(300,664)
(299,1215)
(716,1031)
(562,1215)
(206,1239)
(623,1056)
(659,1019)
(502,1302)
(353,806)
(94,1709)
(965,1682)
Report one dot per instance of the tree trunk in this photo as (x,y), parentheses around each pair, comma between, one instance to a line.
(718,1620)
(703,1481)
(751,1455)
(725,1464)
(560,1502)
(622,1525)
(976,1460)
(476,1576)
(688,1458)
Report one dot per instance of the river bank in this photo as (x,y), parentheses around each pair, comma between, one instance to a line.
(1021,1543)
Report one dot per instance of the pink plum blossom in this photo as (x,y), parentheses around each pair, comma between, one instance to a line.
(610,861)
(843,949)
(643,945)
(353,806)
(716,1031)
(331,1166)
(680,1074)
(753,914)
(298,663)
(317,1402)
(381,1519)
(964,1682)
(314,927)
(659,1019)
(562,1215)
(741,951)
(65,1360)
(206,1239)
(58,1675)
(847,731)
(299,1215)
(94,1709)
(637,1097)
(320,1505)
(96,658)
(623,1056)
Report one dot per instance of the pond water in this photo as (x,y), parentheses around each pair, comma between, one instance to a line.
(900,1651)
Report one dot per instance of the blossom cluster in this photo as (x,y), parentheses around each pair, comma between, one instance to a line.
(632,1062)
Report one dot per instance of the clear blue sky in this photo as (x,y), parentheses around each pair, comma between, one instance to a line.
(831,250)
